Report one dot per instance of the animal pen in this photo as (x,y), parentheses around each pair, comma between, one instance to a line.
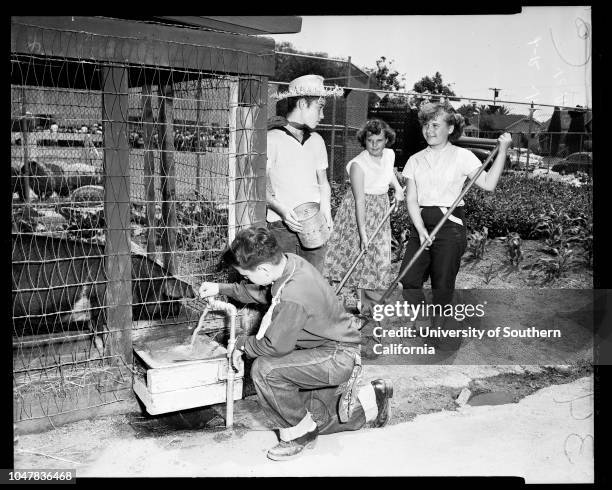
(137,152)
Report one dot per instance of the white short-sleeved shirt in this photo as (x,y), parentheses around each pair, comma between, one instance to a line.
(439,175)
(292,167)
(377,174)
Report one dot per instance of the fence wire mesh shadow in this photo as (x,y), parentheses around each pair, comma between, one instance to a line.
(128,181)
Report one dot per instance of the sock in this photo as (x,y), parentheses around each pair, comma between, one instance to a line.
(307,424)
(367,398)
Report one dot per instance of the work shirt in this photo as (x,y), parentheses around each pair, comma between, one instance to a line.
(439,175)
(292,168)
(377,174)
(307,315)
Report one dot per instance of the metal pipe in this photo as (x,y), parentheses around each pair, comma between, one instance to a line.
(477,142)
(231,311)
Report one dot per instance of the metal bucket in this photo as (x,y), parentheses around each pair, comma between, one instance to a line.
(315,232)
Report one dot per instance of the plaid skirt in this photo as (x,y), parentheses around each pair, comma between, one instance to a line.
(373,270)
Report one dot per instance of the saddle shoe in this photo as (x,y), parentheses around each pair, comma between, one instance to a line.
(285,450)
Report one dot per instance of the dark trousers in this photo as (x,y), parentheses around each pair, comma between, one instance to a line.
(290,243)
(307,380)
(441,262)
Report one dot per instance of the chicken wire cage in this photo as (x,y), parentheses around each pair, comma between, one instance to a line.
(137,152)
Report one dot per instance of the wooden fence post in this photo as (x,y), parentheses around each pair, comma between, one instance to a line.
(149,167)
(198,146)
(346,105)
(166,171)
(234,157)
(251,134)
(26,142)
(118,262)
(333,142)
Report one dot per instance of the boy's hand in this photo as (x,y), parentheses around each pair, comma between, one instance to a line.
(328,218)
(237,359)
(292,221)
(208,289)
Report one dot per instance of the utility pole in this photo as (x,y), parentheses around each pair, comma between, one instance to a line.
(495,94)
(476,111)
(346,101)
(531,111)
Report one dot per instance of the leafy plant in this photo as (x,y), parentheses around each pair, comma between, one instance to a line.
(519,202)
(338,190)
(562,231)
(489,274)
(556,266)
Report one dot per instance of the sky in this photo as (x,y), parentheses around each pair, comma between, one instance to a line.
(541,54)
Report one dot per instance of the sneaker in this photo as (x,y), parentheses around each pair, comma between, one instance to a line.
(285,450)
(384,390)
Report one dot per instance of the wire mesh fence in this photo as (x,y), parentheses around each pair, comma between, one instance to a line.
(130,177)
(128,181)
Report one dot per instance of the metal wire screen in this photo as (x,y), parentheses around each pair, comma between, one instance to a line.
(103,244)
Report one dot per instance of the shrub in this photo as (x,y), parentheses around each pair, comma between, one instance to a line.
(556,266)
(337,193)
(519,202)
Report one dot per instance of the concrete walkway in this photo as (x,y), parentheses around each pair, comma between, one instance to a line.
(546,437)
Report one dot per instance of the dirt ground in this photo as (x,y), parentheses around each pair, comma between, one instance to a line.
(528,431)
(493,270)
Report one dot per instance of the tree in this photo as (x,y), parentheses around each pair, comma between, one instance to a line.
(433,85)
(498,109)
(469,112)
(388,78)
(290,67)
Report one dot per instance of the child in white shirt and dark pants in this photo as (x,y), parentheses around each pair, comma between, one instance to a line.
(435,178)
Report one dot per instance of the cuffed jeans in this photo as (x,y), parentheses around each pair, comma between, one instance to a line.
(290,243)
(305,381)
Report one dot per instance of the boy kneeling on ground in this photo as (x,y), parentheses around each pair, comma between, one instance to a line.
(307,350)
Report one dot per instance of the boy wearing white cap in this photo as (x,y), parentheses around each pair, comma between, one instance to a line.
(296,166)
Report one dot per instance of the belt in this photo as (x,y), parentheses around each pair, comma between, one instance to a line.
(454,218)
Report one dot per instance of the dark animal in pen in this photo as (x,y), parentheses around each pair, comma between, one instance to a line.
(48,178)
(58,284)
(513,249)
